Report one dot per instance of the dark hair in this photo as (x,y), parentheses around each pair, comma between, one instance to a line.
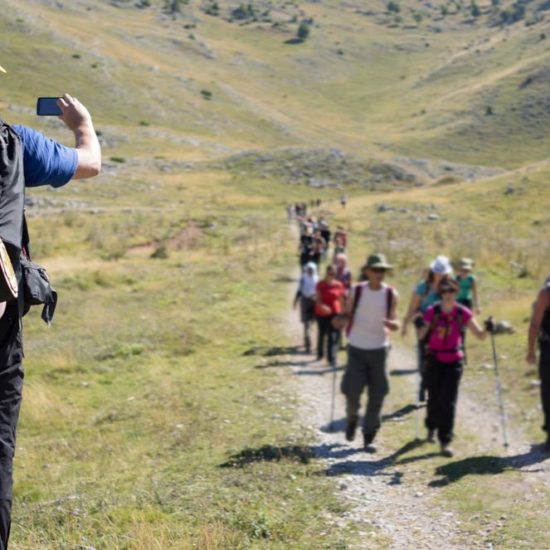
(446,282)
(331,267)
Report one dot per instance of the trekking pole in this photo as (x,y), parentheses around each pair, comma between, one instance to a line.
(499,393)
(333,400)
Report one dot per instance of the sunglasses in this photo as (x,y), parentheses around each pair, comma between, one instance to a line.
(377,270)
(448,291)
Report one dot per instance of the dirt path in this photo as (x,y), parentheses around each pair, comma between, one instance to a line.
(394,500)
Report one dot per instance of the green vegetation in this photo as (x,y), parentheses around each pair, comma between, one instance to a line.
(150,419)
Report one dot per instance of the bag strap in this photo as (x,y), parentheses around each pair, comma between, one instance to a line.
(356,297)
(390,296)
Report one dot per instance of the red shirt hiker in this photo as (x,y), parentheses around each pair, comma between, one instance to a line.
(330,295)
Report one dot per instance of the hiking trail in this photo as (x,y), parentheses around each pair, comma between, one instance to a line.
(394,497)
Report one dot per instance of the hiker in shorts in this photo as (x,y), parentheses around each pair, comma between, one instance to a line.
(442,325)
(372,310)
(325,233)
(425,295)
(318,247)
(329,300)
(305,296)
(30,159)
(306,245)
(539,329)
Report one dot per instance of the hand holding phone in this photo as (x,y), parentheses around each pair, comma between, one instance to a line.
(47,106)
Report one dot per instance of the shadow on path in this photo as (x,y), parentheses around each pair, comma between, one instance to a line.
(402,372)
(273,351)
(294,453)
(286,363)
(400,413)
(488,465)
(374,467)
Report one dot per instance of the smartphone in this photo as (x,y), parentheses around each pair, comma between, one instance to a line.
(47,106)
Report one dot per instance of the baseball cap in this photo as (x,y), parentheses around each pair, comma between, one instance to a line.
(441,265)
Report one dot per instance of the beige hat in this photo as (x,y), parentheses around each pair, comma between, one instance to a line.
(467,263)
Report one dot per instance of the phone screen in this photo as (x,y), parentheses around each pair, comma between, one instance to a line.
(47,106)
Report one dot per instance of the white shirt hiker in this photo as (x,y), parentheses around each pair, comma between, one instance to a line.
(368,331)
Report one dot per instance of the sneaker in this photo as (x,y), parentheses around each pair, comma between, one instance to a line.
(350,430)
(446,451)
(431,436)
(368,438)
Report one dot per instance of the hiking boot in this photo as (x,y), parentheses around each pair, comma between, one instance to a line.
(446,451)
(368,438)
(350,430)
(431,436)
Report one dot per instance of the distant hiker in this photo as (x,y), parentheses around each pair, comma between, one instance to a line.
(343,274)
(305,295)
(326,234)
(318,203)
(341,238)
(372,310)
(328,303)
(425,295)
(467,294)
(290,211)
(344,200)
(306,245)
(442,328)
(29,159)
(539,329)
(318,247)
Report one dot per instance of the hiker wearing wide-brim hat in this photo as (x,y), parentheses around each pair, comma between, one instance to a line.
(29,159)
(372,314)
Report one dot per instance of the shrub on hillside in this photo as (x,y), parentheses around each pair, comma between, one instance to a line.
(303,31)
(244,12)
(393,6)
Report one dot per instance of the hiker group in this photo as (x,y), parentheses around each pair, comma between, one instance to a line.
(441,309)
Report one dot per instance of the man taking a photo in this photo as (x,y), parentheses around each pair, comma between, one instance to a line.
(29,159)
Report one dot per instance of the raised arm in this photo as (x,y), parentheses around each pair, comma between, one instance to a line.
(77,118)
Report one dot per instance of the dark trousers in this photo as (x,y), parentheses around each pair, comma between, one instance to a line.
(544,373)
(326,333)
(307,316)
(442,380)
(11,386)
(366,369)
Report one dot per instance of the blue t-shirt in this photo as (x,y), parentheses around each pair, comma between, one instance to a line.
(46,162)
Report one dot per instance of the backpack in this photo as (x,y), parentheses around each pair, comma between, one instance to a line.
(12,200)
(390,297)
(20,278)
(435,321)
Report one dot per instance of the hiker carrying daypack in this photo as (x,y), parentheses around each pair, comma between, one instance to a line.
(29,159)
(424,296)
(539,330)
(372,315)
(305,296)
(442,326)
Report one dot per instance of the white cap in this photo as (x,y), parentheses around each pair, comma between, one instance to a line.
(2,70)
(441,265)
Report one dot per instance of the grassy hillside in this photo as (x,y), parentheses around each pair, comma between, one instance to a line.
(174,264)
